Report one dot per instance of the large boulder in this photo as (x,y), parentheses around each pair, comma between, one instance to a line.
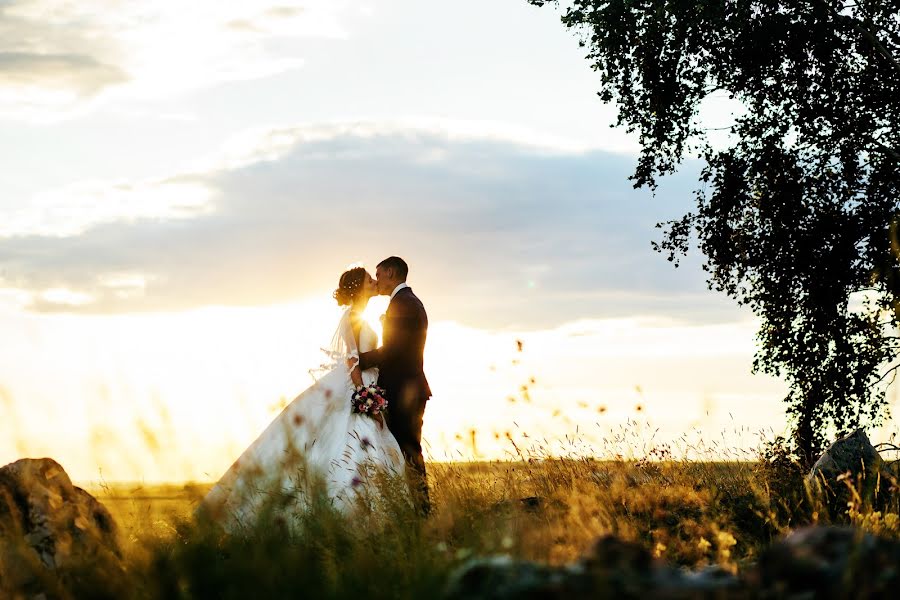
(850,470)
(854,454)
(50,528)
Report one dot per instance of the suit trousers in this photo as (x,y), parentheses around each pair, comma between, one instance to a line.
(404,420)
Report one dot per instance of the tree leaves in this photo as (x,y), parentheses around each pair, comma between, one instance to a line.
(798,218)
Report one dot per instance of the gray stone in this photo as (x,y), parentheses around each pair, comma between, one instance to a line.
(850,470)
(853,453)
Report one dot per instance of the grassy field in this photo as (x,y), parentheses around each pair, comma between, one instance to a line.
(689,513)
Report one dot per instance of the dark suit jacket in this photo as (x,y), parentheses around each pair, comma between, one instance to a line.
(400,357)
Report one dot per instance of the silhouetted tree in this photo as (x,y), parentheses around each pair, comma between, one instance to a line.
(797,215)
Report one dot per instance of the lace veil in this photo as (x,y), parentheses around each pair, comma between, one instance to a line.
(343,346)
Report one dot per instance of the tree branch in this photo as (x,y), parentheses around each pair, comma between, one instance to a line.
(891,371)
(864,31)
(886,149)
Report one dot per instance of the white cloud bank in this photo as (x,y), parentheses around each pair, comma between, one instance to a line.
(498,232)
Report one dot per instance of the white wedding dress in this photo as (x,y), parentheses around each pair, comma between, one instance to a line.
(316,440)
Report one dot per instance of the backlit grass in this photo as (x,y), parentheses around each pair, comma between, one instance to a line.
(691,513)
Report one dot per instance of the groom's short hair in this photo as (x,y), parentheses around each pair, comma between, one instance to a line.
(397,265)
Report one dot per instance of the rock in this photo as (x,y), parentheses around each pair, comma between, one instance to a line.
(711,579)
(623,568)
(868,480)
(854,453)
(620,569)
(504,578)
(613,569)
(829,562)
(48,526)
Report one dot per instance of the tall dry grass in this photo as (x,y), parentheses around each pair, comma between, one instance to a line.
(689,512)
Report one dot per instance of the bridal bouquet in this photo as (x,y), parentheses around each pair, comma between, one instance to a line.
(369,400)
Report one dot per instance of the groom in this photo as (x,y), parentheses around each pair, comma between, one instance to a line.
(399,360)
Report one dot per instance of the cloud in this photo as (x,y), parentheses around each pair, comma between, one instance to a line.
(497,232)
(84,75)
(57,56)
(72,209)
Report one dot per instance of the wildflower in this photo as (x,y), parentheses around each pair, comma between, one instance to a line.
(659,549)
(726,542)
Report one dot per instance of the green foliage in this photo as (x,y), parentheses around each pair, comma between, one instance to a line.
(797,215)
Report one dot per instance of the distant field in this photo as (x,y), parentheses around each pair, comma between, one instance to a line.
(138,507)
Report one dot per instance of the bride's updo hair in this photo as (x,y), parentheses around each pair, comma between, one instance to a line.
(350,285)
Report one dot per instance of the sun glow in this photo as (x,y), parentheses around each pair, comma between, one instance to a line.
(177,396)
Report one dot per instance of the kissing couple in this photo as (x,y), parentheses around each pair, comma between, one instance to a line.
(361,419)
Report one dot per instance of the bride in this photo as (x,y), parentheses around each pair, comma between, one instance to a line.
(317,440)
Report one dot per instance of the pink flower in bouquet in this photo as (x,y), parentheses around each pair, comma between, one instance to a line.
(368,400)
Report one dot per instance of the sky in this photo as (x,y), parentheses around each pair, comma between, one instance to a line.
(183,184)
